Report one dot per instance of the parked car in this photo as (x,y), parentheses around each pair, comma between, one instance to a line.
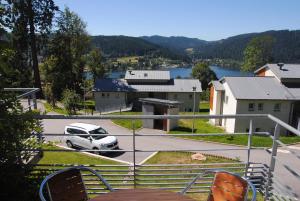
(102,141)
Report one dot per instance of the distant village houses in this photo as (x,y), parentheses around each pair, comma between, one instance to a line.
(117,94)
(275,90)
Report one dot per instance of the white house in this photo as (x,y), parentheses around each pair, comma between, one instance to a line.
(115,94)
(274,90)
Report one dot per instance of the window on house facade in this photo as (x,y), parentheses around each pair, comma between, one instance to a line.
(117,95)
(257,130)
(260,107)
(251,107)
(175,96)
(277,107)
(107,95)
(103,94)
(191,96)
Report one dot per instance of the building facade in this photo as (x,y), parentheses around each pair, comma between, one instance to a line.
(274,90)
(118,94)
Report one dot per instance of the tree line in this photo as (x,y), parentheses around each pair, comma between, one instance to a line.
(45,47)
(285,46)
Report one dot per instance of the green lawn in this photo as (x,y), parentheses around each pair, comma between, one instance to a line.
(185,158)
(127,123)
(71,158)
(56,109)
(202,126)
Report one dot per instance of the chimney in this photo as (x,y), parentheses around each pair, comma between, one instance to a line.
(280,65)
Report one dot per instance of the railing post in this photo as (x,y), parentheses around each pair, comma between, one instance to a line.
(34,101)
(133,147)
(249,147)
(29,103)
(272,162)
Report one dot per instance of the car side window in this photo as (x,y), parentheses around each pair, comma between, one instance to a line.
(102,131)
(81,132)
(71,131)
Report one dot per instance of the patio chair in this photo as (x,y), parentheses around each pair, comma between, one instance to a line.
(226,186)
(68,185)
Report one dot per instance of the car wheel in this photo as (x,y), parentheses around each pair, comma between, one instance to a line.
(69,144)
(96,150)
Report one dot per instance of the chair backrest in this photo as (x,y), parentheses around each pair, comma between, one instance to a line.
(67,186)
(228,187)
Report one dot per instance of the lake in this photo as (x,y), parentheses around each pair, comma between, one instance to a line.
(185,72)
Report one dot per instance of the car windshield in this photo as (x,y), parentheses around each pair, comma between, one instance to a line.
(102,133)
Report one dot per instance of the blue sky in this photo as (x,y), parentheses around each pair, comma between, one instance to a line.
(204,19)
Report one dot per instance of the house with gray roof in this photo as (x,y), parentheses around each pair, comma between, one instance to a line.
(275,89)
(116,94)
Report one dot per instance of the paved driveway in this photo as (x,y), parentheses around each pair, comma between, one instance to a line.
(290,183)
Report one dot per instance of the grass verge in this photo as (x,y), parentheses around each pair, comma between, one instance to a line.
(71,158)
(127,123)
(202,126)
(56,109)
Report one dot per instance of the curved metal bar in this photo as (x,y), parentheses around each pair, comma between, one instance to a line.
(214,171)
(47,178)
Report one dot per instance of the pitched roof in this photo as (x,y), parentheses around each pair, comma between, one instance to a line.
(174,85)
(217,85)
(178,85)
(109,84)
(147,75)
(295,92)
(260,88)
(287,71)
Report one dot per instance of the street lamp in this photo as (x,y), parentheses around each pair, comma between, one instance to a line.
(194,90)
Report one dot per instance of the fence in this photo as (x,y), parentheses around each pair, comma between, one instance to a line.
(26,93)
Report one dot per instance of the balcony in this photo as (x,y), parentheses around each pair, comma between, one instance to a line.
(273,173)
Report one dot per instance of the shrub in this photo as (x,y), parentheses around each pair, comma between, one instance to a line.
(71,101)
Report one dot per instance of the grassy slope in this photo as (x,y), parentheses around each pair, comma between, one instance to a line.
(183,158)
(127,123)
(70,158)
(56,109)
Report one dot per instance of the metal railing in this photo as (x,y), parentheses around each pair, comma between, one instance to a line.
(26,93)
(264,175)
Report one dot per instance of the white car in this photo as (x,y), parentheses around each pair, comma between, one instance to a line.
(99,142)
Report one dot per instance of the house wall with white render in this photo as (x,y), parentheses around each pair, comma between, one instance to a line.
(229,107)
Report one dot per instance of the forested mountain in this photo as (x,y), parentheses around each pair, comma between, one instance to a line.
(286,46)
(119,46)
(176,42)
